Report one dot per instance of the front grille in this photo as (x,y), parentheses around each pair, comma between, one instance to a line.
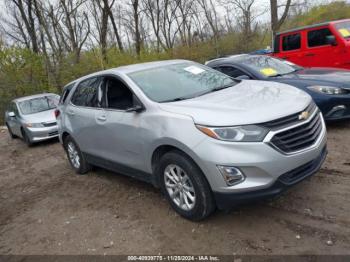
(288,120)
(55,133)
(49,124)
(300,137)
(301,172)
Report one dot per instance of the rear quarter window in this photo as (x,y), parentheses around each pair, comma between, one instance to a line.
(65,93)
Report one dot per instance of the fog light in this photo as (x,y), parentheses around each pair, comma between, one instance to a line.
(231,175)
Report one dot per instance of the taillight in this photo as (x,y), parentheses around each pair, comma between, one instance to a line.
(57,113)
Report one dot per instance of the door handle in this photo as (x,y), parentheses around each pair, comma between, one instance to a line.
(310,54)
(102,118)
(71,112)
(285,57)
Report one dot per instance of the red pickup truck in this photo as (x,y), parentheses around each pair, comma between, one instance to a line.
(320,45)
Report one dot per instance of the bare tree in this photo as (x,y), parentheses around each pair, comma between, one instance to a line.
(26,13)
(138,42)
(100,14)
(133,22)
(75,25)
(109,7)
(209,10)
(154,11)
(276,21)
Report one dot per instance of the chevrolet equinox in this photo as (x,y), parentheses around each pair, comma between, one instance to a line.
(207,140)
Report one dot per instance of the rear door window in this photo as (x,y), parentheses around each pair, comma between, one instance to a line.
(291,42)
(86,93)
(318,37)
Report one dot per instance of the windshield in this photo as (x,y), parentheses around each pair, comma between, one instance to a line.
(38,104)
(179,81)
(343,29)
(268,66)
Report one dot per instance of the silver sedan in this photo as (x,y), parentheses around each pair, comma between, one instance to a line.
(33,117)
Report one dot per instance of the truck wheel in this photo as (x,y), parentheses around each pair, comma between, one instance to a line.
(75,157)
(185,186)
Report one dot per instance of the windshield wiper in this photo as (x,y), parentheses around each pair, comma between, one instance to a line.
(220,87)
(175,99)
(198,94)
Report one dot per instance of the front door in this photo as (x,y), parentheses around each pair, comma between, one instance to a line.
(14,122)
(120,131)
(318,52)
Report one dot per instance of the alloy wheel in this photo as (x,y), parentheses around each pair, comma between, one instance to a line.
(179,187)
(73,155)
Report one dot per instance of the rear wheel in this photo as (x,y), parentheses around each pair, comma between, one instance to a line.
(185,186)
(10,132)
(75,156)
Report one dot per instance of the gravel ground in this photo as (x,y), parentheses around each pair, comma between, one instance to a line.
(46,209)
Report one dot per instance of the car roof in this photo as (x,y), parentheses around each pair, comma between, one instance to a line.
(24,98)
(231,58)
(133,68)
(311,26)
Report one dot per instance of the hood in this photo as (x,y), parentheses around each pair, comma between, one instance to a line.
(41,117)
(249,102)
(324,76)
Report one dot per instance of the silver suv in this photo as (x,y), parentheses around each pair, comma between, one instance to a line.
(205,139)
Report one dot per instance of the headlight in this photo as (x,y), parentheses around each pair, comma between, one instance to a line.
(35,125)
(249,133)
(329,90)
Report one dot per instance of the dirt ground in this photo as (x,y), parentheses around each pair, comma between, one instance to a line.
(46,209)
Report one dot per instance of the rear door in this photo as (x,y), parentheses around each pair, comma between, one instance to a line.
(319,53)
(292,47)
(80,115)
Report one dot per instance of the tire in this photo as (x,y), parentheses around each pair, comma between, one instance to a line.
(26,138)
(10,132)
(75,156)
(200,203)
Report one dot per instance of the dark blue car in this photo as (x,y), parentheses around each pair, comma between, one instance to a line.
(329,87)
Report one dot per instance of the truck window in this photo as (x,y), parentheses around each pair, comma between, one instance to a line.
(291,42)
(318,37)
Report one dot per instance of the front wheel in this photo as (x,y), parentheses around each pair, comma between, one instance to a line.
(26,138)
(75,156)
(185,186)
(10,132)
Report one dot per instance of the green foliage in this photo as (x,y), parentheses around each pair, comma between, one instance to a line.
(21,73)
(318,14)
(24,73)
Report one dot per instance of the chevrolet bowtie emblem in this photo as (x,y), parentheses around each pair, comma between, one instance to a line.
(304,115)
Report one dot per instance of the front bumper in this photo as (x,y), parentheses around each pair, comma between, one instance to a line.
(42,133)
(260,162)
(284,182)
(335,107)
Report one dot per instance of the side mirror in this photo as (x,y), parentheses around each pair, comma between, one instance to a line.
(136,109)
(331,40)
(11,114)
(243,77)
